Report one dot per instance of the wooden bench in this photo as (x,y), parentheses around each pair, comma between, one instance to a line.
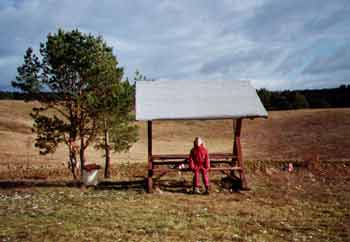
(165,163)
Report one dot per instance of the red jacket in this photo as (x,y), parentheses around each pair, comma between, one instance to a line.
(199,158)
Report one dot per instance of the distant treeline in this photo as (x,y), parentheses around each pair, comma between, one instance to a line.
(318,98)
(273,100)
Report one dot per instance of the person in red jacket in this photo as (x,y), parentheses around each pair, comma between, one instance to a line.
(199,163)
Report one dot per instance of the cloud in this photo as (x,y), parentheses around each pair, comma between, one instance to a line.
(280,21)
(337,62)
(277,44)
(337,18)
(242,61)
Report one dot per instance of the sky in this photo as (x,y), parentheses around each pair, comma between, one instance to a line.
(276,44)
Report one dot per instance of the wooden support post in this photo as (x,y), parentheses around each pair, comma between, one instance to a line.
(234,148)
(150,158)
(237,149)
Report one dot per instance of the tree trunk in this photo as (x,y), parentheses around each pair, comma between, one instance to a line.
(82,157)
(72,163)
(107,154)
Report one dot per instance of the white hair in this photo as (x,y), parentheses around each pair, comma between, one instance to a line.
(198,141)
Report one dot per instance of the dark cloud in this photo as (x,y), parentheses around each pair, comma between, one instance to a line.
(275,43)
(280,21)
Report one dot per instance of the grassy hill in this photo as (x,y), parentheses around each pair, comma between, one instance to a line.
(285,135)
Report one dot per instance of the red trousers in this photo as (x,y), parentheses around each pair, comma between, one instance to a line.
(205,177)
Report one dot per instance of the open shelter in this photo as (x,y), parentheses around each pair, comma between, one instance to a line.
(197,100)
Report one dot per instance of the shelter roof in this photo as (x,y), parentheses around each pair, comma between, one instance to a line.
(184,99)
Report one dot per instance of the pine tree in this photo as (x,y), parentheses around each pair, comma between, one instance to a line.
(73,67)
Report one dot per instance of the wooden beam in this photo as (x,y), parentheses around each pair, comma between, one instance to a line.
(185,156)
(166,170)
(178,162)
(234,148)
(150,159)
(238,150)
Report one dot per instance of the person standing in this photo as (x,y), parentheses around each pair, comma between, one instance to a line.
(199,163)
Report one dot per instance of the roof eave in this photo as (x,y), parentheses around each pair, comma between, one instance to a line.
(205,118)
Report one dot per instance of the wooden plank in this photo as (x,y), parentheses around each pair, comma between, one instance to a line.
(178,162)
(166,170)
(212,156)
(150,160)
(231,168)
(170,156)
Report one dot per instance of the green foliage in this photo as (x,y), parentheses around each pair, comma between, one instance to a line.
(28,74)
(49,131)
(266,97)
(115,108)
(300,101)
(139,77)
(122,134)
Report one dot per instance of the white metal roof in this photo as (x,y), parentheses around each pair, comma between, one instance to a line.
(167,100)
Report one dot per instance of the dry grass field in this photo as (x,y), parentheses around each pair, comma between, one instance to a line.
(287,135)
(38,201)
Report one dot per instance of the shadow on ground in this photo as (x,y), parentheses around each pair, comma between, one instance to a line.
(103,185)
(137,184)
